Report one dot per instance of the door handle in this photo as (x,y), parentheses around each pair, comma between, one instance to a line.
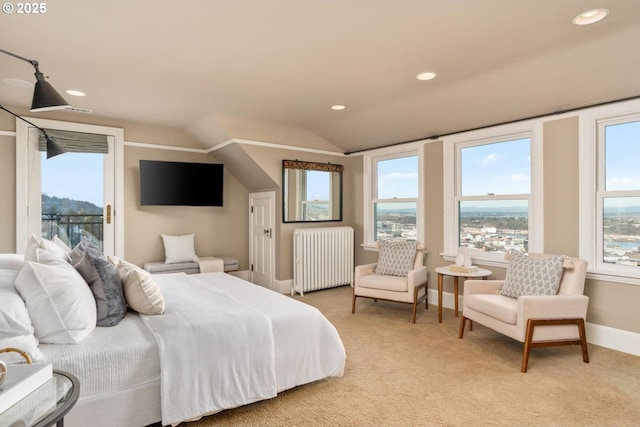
(108,214)
(267,232)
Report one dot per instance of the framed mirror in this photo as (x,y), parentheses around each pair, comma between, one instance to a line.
(311,192)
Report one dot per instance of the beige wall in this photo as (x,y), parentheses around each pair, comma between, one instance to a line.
(270,160)
(221,231)
(611,304)
(218,230)
(224,231)
(7,194)
(434,213)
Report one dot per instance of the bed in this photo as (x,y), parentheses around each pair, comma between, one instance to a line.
(222,342)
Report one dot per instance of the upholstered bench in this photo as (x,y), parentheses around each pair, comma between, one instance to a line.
(159,267)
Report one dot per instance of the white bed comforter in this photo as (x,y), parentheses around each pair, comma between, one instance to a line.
(225,342)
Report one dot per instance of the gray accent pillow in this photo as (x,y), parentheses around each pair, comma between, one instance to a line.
(396,257)
(527,276)
(103,279)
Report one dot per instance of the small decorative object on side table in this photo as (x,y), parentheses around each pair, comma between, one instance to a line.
(46,405)
(455,271)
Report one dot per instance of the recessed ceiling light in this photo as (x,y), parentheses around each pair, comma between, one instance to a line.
(76,92)
(18,83)
(338,107)
(590,16)
(426,76)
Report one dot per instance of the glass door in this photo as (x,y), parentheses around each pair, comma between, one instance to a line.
(71,195)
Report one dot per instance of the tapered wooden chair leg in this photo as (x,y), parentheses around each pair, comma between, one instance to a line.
(463,320)
(353,303)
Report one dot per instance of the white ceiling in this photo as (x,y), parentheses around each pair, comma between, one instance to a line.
(270,69)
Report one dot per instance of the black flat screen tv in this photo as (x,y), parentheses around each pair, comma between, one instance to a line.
(181,184)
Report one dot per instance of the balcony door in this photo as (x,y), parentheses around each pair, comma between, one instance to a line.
(73,195)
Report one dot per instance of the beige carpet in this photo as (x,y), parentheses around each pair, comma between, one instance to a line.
(401,374)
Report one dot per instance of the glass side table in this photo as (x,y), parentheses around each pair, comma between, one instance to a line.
(45,406)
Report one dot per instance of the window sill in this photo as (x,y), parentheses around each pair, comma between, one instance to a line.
(370,247)
(613,276)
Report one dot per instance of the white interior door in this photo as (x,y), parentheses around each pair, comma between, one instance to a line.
(262,240)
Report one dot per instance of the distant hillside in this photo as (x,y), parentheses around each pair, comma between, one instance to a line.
(68,206)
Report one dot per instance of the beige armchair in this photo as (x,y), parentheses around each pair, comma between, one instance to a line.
(535,320)
(410,288)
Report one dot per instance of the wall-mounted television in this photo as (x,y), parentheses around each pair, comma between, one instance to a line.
(181,183)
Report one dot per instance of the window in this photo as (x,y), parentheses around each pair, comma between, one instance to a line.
(490,205)
(610,191)
(618,194)
(393,210)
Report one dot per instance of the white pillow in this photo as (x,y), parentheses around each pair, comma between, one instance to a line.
(26,343)
(140,288)
(11,261)
(14,317)
(179,248)
(61,244)
(36,243)
(60,304)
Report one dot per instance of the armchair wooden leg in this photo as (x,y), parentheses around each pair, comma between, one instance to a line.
(353,302)
(415,304)
(583,341)
(415,308)
(463,320)
(529,344)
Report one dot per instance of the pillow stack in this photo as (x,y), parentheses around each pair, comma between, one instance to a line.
(57,295)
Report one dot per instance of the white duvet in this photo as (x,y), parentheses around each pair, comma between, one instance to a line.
(225,342)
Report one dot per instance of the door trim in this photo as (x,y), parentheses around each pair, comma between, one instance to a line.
(22,175)
(263,195)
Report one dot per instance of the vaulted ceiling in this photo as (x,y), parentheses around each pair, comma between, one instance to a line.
(270,70)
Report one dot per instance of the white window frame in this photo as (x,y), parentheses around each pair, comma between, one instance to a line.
(452,145)
(592,122)
(370,160)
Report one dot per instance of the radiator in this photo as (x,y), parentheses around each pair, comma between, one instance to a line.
(322,258)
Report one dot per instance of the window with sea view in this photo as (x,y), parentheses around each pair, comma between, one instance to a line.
(493,195)
(492,191)
(394,198)
(619,192)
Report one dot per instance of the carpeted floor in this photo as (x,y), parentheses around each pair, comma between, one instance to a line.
(401,374)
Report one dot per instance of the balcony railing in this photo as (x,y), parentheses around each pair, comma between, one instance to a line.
(71,228)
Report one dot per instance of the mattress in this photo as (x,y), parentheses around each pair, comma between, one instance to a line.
(129,347)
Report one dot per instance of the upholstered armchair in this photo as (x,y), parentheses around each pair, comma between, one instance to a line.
(527,309)
(399,275)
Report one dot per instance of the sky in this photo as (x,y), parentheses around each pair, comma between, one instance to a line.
(499,168)
(78,176)
(622,157)
(398,178)
(318,185)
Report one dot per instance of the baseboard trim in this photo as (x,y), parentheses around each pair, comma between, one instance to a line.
(604,336)
(282,286)
(615,339)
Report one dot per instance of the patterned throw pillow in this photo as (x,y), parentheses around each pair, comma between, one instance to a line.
(527,276)
(396,257)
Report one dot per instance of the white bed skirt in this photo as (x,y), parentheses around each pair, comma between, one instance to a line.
(135,407)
